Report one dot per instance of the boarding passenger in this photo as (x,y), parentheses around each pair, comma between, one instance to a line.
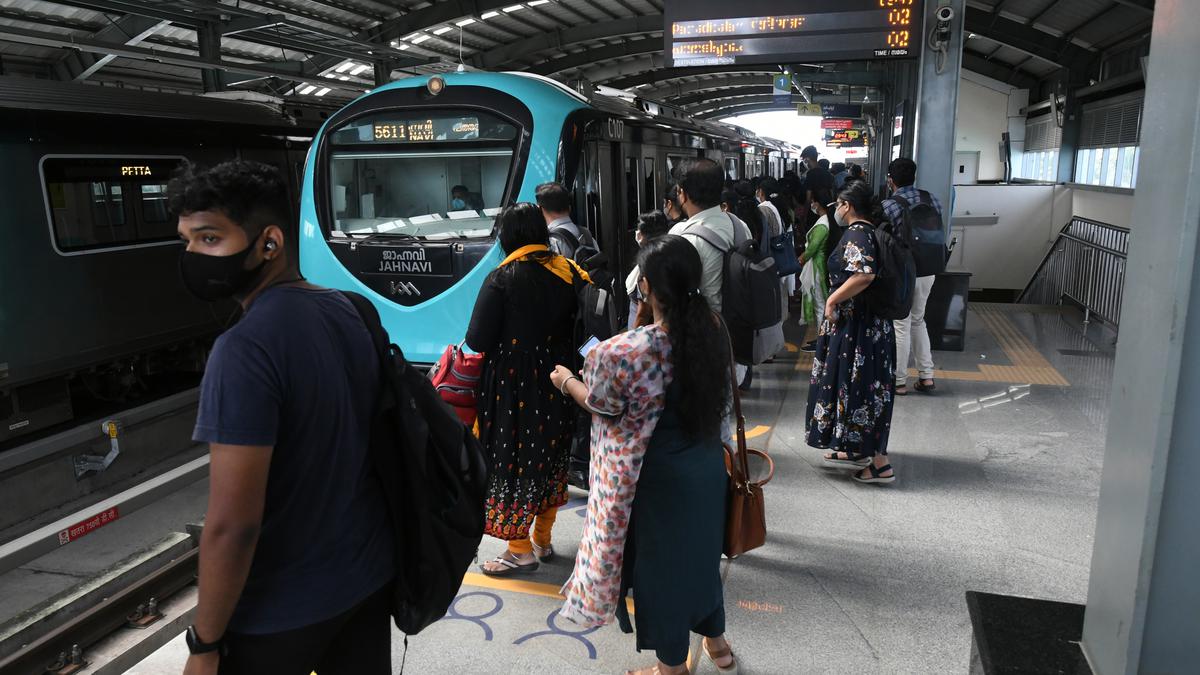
(699,191)
(296,556)
(850,392)
(671,208)
(651,225)
(566,238)
(739,200)
(523,323)
(840,174)
(911,330)
(816,178)
(814,279)
(655,518)
(856,173)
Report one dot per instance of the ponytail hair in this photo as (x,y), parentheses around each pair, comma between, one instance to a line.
(862,199)
(699,347)
(781,201)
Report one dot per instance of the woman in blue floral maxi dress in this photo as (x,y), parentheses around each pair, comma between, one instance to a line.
(850,394)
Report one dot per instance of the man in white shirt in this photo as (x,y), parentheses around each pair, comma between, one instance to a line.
(700,185)
(565,235)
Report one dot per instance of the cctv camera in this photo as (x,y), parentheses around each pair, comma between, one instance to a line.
(945,13)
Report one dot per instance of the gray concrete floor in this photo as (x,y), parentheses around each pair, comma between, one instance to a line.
(997,492)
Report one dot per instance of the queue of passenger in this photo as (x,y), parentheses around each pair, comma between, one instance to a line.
(297,377)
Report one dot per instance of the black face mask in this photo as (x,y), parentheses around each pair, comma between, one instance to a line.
(212,278)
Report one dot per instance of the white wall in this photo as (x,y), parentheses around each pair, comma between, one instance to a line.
(1106,207)
(1004,253)
(981,121)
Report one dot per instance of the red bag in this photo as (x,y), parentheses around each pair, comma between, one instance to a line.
(456,378)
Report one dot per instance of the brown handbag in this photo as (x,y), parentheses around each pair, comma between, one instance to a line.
(745,507)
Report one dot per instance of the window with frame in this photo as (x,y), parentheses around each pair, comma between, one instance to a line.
(96,203)
(1108,153)
(1043,138)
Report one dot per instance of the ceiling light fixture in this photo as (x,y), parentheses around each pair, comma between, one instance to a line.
(421,39)
(514,8)
(465,22)
(403,47)
(535,3)
(443,30)
(346,65)
(360,69)
(308,90)
(324,91)
(489,15)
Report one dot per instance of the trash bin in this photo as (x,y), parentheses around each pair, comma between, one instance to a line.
(946,310)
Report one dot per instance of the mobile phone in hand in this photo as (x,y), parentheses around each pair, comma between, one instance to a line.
(588,346)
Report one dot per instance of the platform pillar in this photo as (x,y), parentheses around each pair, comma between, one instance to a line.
(937,105)
(1143,607)
(208,41)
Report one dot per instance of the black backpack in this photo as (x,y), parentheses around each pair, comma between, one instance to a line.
(751,297)
(890,295)
(434,479)
(921,226)
(598,301)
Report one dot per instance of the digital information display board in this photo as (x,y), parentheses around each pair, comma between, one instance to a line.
(712,33)
(424,130)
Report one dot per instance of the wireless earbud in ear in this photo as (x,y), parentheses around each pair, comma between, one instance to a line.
(270,244)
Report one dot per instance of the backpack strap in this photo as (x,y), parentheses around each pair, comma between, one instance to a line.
(711,238)
(370,317)
(565,235)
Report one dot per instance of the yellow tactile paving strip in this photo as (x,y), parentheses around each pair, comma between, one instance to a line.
(1028,366)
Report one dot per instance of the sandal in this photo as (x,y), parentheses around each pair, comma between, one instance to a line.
(922,387)
(876,474)
(511,567)
(644,671)
(714,654)
(902,390)
(543,555)
(847,461)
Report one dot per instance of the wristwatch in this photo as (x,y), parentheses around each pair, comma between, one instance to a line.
(197,646)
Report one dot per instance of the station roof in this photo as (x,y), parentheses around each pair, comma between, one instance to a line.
(329,48)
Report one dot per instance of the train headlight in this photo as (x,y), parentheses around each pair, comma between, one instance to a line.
(435,85)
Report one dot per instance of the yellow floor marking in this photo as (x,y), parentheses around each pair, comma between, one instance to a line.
(513,585)
(520,586)
(757,431)
(1027,365)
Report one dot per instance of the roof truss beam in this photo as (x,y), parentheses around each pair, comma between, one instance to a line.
(599,54)
(525,48)
(1030,40)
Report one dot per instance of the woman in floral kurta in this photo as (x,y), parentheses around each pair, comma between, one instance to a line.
(657,502)
(851,391)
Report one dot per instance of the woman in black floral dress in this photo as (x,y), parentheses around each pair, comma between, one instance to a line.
(851,392)
(523,322)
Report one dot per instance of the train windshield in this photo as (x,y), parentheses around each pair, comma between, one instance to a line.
(437,175)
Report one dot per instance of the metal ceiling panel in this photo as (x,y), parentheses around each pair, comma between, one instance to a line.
(1068,15)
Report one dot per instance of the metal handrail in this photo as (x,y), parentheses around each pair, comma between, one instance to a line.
(1086,266)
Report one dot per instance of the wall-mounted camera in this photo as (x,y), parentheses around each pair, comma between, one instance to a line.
(941,32)
(945,14)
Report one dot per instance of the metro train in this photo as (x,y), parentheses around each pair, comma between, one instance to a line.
(402,186)
(92,312)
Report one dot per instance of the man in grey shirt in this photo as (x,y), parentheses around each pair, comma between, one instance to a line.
(565,236)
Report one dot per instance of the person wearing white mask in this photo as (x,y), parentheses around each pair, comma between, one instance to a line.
(814,278)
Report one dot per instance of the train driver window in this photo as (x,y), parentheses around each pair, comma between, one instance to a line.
(435,175)
(96,203)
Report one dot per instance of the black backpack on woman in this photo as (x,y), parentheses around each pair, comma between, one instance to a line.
(890,295)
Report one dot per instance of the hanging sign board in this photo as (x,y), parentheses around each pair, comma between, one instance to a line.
(843,135)
(851,110)
(720,33)
(837,124)
(808,109)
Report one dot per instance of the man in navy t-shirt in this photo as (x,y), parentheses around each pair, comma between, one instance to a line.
(296,555)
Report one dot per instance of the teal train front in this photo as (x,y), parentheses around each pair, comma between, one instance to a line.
(402,187)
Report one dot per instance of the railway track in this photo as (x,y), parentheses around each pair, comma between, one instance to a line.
(96,571)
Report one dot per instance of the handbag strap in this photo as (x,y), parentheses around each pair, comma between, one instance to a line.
(740,463)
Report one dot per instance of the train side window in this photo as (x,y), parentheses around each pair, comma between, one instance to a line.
(631,192)
(99,203)
(648,192)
